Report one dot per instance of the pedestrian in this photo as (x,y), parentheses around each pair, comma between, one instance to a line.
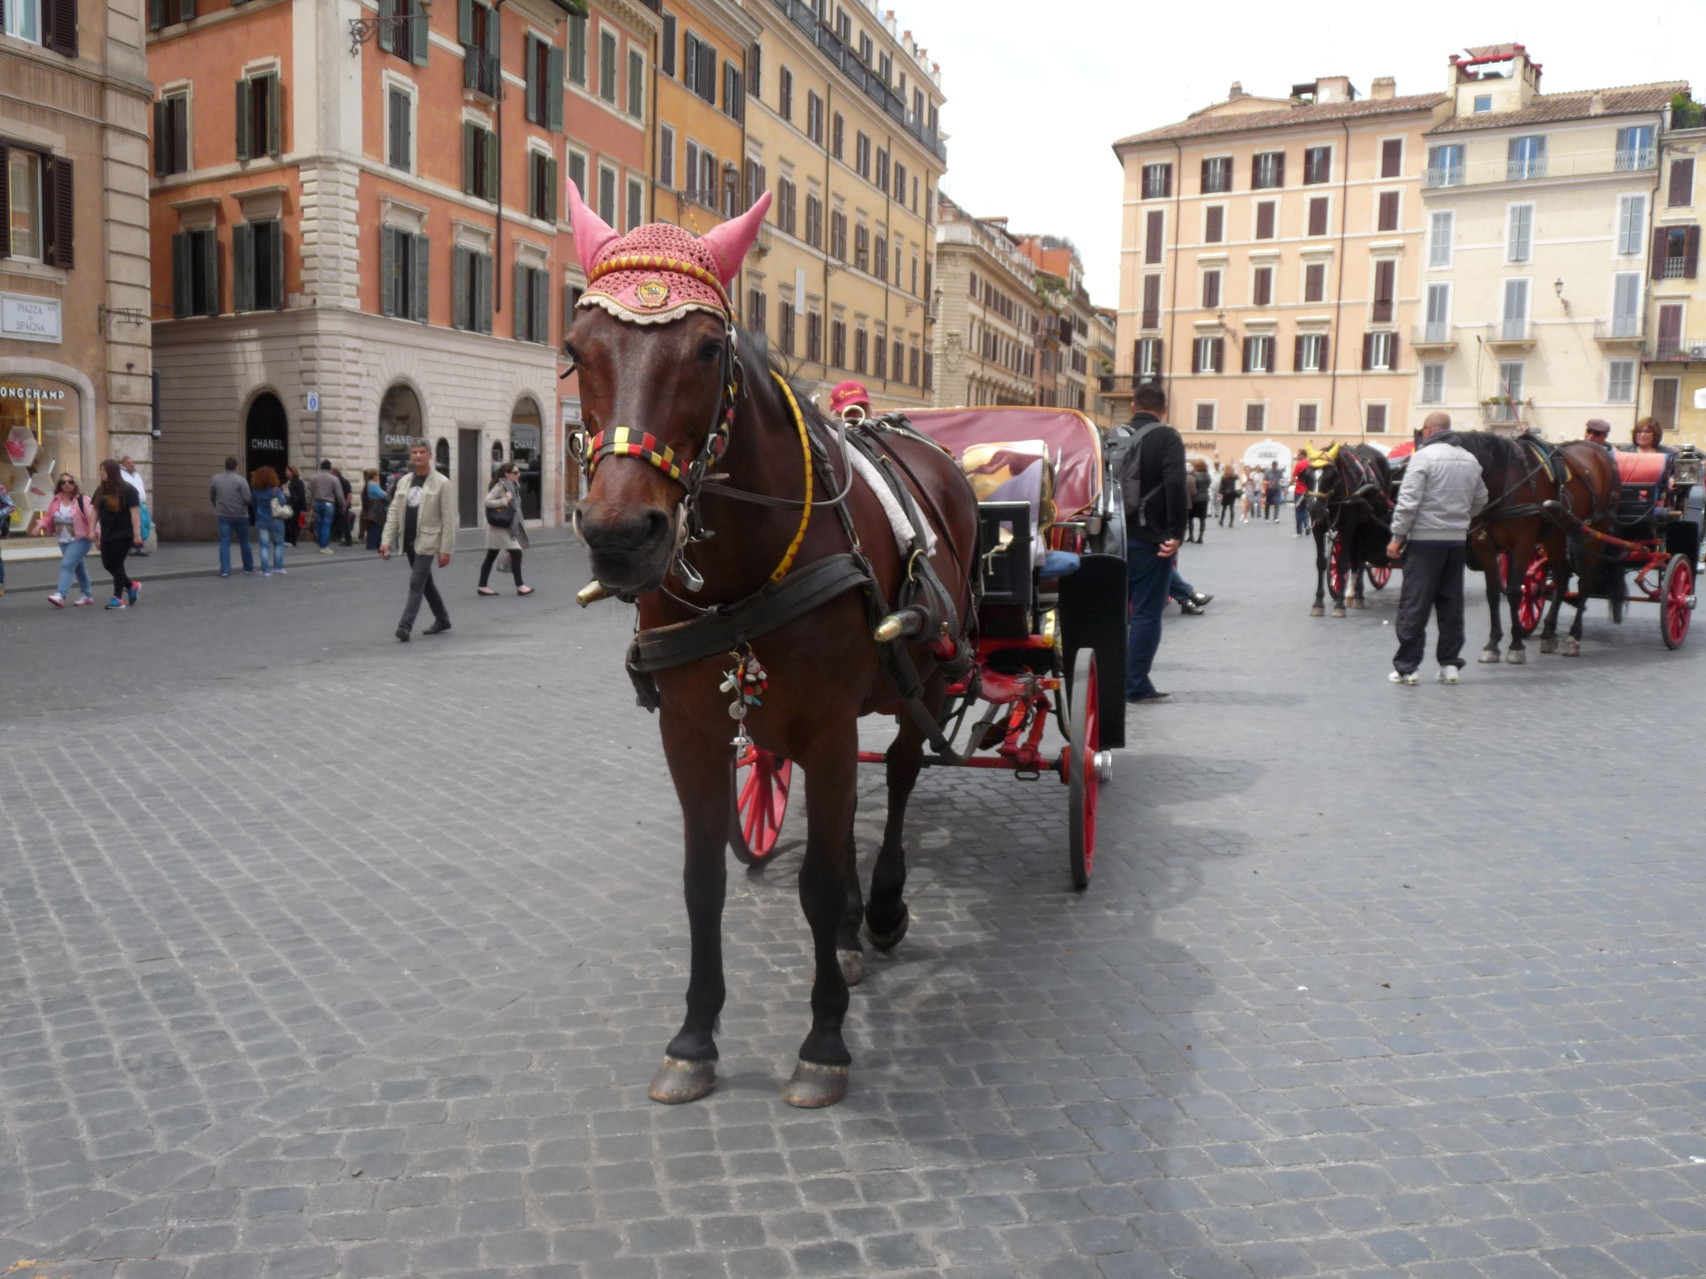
(1152,481)
(1273,491)
(1200,491)
(1252,494)
(372,507)
(1442,491)
(1299,491)
(118,529)
(1598,430)
(1228,498)
(345,518)
(1190,600)
(504,529)
(231,497)
(423,516)
(326,494)
(296,498)
(71,516)
(271,514)
(127,468)
(8,508)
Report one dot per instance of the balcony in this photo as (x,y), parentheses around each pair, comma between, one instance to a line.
(1675,351)
(1503,411)
(481,71)
(1433,336)
(1451,175)
(1526,169)
(1634,158)
(1511,333)
(1535,168)
(1619,330)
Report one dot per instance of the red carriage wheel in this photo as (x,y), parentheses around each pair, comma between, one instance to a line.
(1084,765)
(1379,575)
(1338,570)
(1531,604)
(761,801)
(1676,601)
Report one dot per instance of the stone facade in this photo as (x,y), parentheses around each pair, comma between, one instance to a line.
(988,316)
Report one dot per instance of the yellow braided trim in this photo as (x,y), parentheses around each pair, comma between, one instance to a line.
(806,510)
(657,262)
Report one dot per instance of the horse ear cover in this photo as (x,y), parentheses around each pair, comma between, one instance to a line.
(592,233)
(730,242)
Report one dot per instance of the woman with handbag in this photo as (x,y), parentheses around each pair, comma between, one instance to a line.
(373,504)
(296,498)
(71,520)
(504,529)
(272,513)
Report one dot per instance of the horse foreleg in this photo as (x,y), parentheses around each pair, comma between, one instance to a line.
(820,1077)
(706,791)
(1572,647)
(1357,600)
(1319,610)
(1495,634)
(1549,635)
(886,918)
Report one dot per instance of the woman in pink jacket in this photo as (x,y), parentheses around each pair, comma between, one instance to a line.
(70,517)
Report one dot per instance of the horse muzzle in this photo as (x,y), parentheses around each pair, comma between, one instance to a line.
(630,548)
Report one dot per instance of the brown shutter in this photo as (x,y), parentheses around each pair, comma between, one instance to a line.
(1265,220)
(1392,360)
(61,32)
(60,204)
(1681,182)
(1318,215)
(1219,355)
(5,203)
(1204,182)
(1392,158)
(1384,272)
(1658,268)
(1160,357)
(162,139)
(1152,236)
(1196,357)
(1214,224)
(1279,171)
(1690,252)
(1247,342)
(1389,210)
(1297,354)
(1367,350)
(1326,346)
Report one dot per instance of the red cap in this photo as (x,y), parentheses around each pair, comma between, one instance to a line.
(849,393)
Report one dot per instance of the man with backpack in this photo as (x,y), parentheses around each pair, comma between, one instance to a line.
(1149,463)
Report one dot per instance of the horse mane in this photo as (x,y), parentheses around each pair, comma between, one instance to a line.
(754,350)
(1491,450)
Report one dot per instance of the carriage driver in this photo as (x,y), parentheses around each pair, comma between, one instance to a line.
(1443,490)
(850,401)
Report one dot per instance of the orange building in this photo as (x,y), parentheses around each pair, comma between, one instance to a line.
(359,232)
(700,175)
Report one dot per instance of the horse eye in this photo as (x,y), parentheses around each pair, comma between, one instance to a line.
(712,350)
(571,355)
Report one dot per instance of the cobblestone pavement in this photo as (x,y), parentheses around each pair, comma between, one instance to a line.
(325,955)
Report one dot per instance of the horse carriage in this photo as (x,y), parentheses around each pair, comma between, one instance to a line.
(1649,554)
(1051,622)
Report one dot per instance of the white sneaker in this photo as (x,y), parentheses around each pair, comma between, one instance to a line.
(1404,677)
(56,599)
(1448,675)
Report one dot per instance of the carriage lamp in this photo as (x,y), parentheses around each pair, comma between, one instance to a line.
(361,30)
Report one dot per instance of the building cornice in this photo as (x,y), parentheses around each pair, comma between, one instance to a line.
(80,68)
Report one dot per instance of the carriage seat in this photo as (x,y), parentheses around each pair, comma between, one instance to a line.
(1014,484)
(1645,482)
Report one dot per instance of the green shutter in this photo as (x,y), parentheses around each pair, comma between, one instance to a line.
(162,139)
(275,114)
(387,28)
(465,21)
(523,313)
(242,267)
(541,299)
(186,10)
(459,300)
(554,90)
(244,132)
(467,158)
(156,14)
(535,90)
(483,292)
(494,32)
(420,38)
(276,265)
(420,260)
(387,271)
(491,175)
(182,248)
(210,266)
(551,181)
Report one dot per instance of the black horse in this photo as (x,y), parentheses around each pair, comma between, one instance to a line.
(1350,513)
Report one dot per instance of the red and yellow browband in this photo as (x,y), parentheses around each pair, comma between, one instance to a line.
(629,441)
(658,262)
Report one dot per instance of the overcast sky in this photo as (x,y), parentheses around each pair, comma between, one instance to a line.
(1037,93)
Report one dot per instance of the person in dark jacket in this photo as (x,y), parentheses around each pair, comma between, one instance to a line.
(1150,466)
(297,499)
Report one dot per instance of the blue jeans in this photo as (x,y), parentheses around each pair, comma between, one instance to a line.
(271,534)
(1178,589)
(1302,514)
(71,566)
(323,523)
(234,526)
(1147,578)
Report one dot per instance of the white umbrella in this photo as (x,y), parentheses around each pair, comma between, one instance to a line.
(1267,453)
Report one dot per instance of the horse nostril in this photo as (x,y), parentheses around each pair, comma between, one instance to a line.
(657,525)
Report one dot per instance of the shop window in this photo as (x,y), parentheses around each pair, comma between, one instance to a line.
(527,451)
(39,424)
(399,422)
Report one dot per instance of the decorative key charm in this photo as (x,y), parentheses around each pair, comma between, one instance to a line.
(746,680)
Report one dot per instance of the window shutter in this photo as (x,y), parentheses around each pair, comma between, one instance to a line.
(460,316)
(156,15)
(690,62)
(554,94)
(1218,350)
(61,16)
(387,28)
(387,270)
(1658,267)
(551,183)
(243,267)
(244,130)
(275,114)
(491,158)
(467,159)
(465,21)
(275,264)
(162,139)
(1279,170)
(210,269)
(1326,346)
(1690,258)
(666,55)
(1392,353)
(540,299)
(494,34)
(420,37)
(483,292)
(59,213)
(405,125)
(1392,158)
(178,126)
(420,262)
(181,250)
(523,313)
(1681,182)
(1203,182)
(1297,354)
(535,90)
(1248,348)
(186,10)
(1367,351)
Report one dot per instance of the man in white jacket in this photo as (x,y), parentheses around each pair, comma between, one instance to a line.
(1443,491)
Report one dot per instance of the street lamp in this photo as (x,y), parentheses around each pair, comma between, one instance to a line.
(361,30)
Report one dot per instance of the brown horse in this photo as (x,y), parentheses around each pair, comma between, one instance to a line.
(1539,499)
(666,530)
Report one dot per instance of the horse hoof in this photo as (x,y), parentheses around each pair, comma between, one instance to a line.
(1358,604)
(679,1080)
(814,1086)
(1548,645)
(1317,611)
(1338,610)
(852,966)
(891,939)
(1570,649)
(1517,656)
(1489,656)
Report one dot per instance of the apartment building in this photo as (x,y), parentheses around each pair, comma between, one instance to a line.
(700,174)
(988,315)
(1673,351)
(1063,372)
(1269,264)
(74,355)
(843,124)
(1104,325)
(359,233)
(1540,211)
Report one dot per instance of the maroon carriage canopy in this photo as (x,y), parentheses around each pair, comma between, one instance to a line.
(1073,440)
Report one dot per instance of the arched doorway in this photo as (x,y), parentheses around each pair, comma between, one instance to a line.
(40,437)
(266,434)
(399,422)
(527,451)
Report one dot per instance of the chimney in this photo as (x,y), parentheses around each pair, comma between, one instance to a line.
(1334,88)
(1596,104)
(1383,87)
(1237,90)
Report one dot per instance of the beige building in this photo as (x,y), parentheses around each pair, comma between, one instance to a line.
(1104,324)
(988,313)
(1269,270)
(74,298)
(843,125)
(1674,348)
(1539,212)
